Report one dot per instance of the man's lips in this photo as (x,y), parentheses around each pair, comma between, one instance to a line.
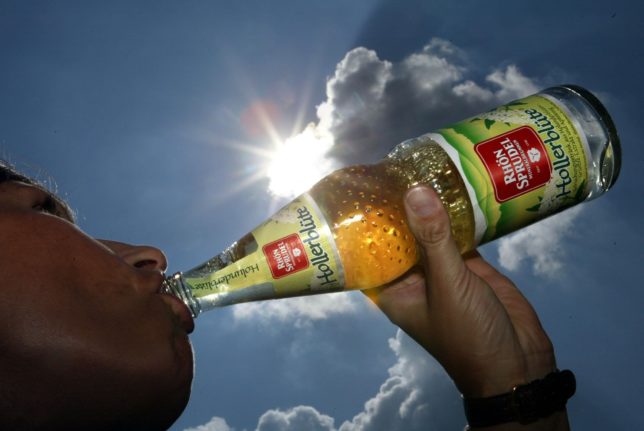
(180,309)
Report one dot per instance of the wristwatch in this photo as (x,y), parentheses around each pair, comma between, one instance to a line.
(524,403)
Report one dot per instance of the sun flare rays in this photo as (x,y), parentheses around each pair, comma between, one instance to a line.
(289,166)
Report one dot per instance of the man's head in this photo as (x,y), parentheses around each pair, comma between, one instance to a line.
(86,340)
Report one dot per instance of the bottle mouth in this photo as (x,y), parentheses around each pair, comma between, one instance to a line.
(174,286)
(611,158)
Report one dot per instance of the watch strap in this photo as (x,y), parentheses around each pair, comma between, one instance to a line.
(524,403)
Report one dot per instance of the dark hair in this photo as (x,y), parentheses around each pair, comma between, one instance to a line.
(10,173)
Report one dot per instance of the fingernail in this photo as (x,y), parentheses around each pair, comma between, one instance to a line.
(421,202)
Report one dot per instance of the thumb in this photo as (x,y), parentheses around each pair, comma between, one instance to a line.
(430,224)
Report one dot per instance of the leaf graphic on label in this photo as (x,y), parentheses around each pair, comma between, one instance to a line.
(489,123)
(534,208)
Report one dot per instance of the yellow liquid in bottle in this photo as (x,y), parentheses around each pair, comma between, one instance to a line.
(364,208)
(365,212)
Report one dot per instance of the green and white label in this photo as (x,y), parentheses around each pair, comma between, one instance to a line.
(521,162)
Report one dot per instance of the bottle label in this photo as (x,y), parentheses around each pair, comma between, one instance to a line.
(517,162)
(286,256)
(521,162)
(294,253)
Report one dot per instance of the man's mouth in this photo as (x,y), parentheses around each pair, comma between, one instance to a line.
(181,310)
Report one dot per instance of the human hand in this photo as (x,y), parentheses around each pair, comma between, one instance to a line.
(465,313)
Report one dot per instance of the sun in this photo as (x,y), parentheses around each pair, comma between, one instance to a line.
(292,165)
(299,162)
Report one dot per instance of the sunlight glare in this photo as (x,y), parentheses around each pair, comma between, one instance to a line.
(300,161)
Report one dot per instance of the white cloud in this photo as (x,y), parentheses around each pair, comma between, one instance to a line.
(417,396)
(541,244)
(215,424)
(299,311)
(296,419)
(511,83)
(373,104)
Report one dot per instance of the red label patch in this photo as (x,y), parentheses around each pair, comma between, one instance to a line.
(286,256)
(517,162)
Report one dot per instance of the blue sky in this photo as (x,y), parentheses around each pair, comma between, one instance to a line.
(143,114)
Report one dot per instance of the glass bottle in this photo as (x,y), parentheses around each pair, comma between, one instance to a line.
(495,173)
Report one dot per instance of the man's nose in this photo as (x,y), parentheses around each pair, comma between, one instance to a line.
(139,256)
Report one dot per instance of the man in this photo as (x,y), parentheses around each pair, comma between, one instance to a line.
(88,342)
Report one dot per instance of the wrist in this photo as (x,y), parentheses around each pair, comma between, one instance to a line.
(506,375)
